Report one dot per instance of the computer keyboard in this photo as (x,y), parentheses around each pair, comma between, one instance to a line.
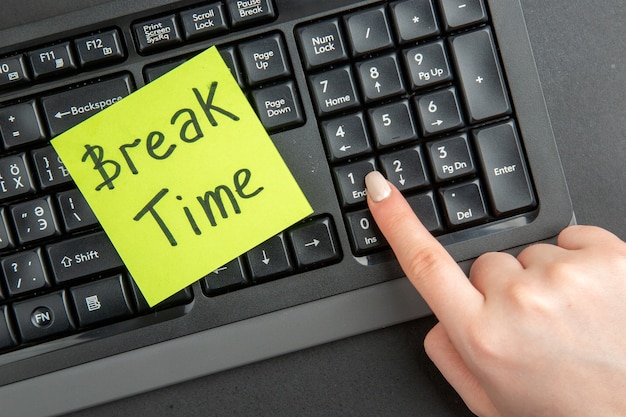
(439,95)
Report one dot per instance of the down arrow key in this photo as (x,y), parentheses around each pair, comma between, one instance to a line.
(270,259)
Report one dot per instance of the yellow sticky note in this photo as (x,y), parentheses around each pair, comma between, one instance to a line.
(182,176)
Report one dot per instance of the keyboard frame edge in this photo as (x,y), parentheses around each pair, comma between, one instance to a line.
(128,373)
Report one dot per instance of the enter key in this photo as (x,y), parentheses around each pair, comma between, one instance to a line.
(500,154)
(82,256)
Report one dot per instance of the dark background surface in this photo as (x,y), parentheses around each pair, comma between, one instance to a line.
(580,49)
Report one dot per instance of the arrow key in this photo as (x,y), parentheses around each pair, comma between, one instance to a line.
(270,259)
(439,111)
(315,243)
(380,77)
(346,136)
(224,279)
(405,168)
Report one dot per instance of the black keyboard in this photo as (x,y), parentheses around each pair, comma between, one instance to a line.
(439,95)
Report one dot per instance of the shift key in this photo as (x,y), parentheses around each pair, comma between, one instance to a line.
(82,256)
(68,108)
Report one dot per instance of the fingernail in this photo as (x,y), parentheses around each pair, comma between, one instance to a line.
(377,186)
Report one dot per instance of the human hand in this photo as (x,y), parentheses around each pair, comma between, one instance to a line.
(543,334)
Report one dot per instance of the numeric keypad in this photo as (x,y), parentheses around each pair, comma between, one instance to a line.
(398,87)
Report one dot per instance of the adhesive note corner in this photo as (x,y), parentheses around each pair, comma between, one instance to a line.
(182,176)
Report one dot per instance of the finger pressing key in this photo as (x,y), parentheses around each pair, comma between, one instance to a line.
(429,267)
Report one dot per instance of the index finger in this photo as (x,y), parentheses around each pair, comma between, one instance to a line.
(427,264)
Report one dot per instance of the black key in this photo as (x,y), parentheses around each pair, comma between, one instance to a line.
(24,272)
(270,259)
(52,60)
(75,212)
(13,71)
(460,13)
(424,207)
(414,19)
(405,168)
(451,158)
(184,296)
(380,78)
(6,241)
(20,124)
(230,59)
(82,256)
(365,236)
(322,43)
(43,317)
(50,169)
(7,339)
(439,111)
(507,180)
(152,72)
(278,106)
(34,220)
(244,12)
(100,301)
(350,180)
(333,90)
(68,108)
(314,243)
(14,177)
(226,278)
(464,203)
(482,84)
(99,48)
(427,64)
(204,21)
(392,124)
(155,34)
(264,59)
(346,137)
(368,31)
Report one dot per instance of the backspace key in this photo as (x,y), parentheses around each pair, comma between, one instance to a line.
(68,108)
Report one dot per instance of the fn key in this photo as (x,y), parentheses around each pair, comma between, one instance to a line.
(43,317)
